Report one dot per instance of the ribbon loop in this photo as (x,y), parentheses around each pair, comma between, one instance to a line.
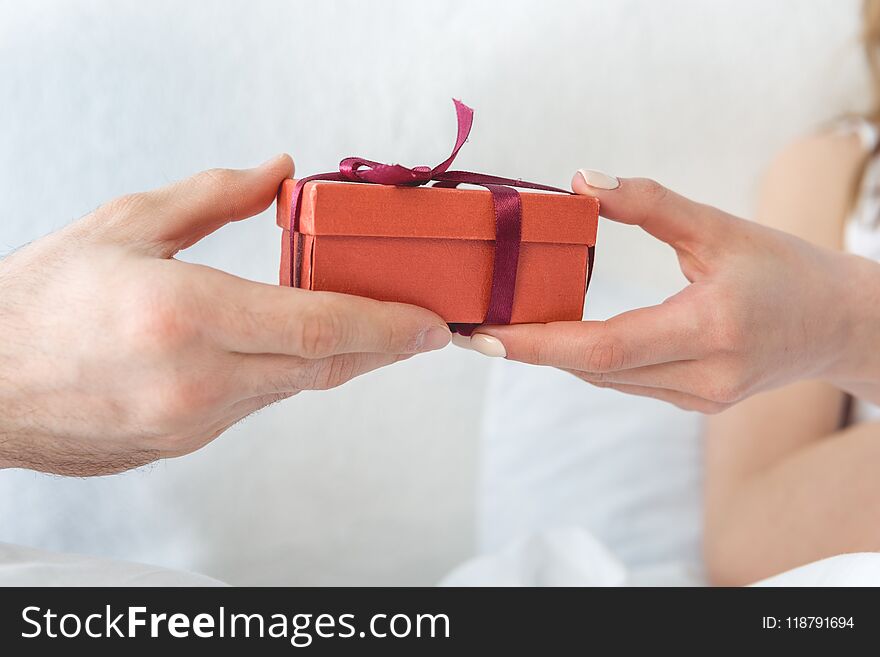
(506,202)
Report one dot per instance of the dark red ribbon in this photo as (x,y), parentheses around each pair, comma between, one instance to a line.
(506,202)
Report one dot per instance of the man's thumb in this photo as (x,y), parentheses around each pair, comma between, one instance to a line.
(171,218)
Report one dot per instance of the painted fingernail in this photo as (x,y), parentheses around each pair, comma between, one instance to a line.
(487,345)
(598,179)
(433,338)
(462,341)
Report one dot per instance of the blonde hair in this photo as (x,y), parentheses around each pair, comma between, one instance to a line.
(870,37)
(871,46)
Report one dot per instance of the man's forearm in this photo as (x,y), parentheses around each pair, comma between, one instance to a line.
(5,461)
(113,353)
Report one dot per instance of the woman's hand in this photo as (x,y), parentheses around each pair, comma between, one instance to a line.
(114,354)
(763,309)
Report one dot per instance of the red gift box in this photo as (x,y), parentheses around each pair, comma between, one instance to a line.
(435,247)
(471,256)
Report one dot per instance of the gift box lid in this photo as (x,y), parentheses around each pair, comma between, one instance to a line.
(356,209)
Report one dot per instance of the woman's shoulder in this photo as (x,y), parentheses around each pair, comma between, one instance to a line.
(809,187)
(835,153)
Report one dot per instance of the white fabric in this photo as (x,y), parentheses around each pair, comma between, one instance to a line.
(572,556)
(862,229)
(618,477)
(565,556)
(23,566)
(858,569)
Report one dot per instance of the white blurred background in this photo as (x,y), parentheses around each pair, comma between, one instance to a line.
(374,483)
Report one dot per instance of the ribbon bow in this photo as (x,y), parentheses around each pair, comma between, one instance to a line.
(506,202)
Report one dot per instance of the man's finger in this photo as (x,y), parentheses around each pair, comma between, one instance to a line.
(668,216)
(258,318)
(272,374)
(167,220)
(245,407)
(646,336)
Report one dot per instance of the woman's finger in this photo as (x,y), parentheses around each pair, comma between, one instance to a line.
(646,336)
(682,375)
(713,379)
(681,399)
(668,216)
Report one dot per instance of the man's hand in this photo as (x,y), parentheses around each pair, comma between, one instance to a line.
(114,354)
(763,309)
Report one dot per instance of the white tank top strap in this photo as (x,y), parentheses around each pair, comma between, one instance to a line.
(862,228)
(867,132)
(861,233)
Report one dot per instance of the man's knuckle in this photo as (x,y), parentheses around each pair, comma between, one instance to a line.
(123,207)
(284,378)
(223,184)
(317,333)
(595,377)
(216,178)
(396,337)
(331,372)
(158,319)
(151,410)
(184,397)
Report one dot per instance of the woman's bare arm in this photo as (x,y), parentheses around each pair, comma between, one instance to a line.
(783,486)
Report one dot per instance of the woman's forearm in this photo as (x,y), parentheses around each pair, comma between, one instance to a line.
(857,369)
(821,501)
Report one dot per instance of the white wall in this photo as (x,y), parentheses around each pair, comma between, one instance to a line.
(373,483)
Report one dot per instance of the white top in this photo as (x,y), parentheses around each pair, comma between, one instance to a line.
(25,566)
(861,234)
(862,228)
